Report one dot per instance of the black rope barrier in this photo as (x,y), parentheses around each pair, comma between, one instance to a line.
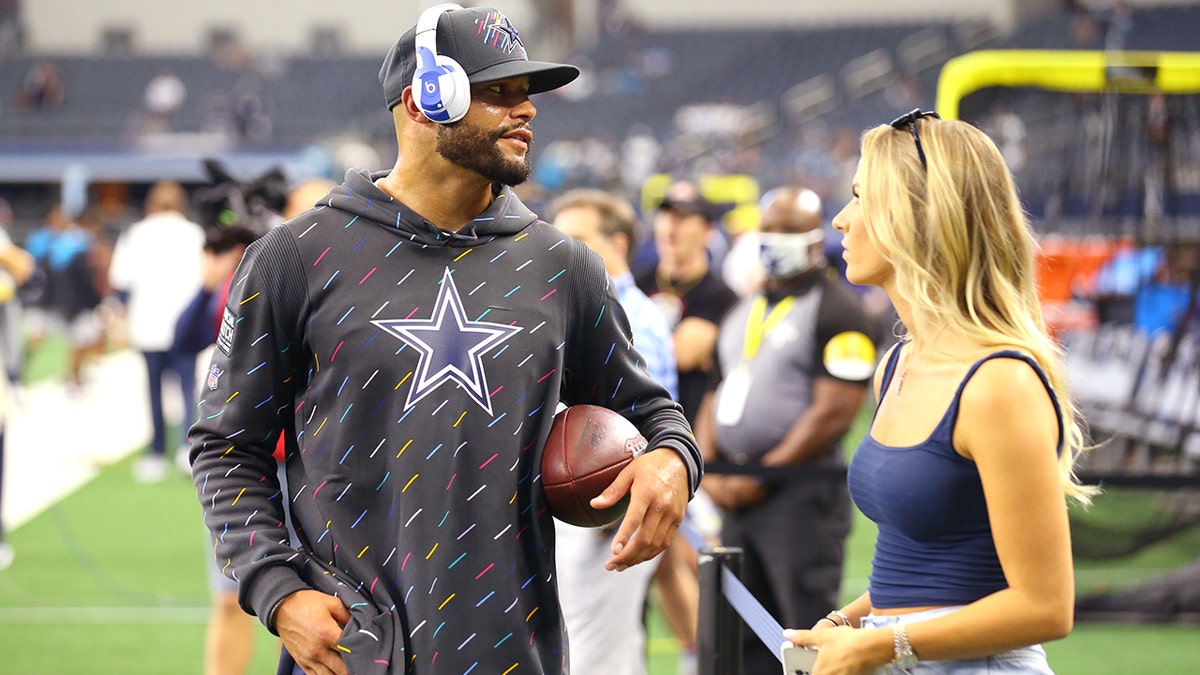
(726,606)
(719,629)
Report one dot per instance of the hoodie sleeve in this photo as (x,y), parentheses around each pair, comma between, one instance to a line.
(246,401)
(603,368)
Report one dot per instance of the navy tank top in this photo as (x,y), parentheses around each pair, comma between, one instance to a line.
(935,539)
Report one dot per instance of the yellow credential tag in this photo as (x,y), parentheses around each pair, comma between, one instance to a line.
(850,356)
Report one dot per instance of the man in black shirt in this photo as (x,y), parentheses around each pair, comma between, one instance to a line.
(684,285)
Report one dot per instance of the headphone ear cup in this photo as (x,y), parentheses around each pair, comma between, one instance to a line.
(455,89)
(440,87)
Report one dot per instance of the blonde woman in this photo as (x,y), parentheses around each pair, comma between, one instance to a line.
(967,466)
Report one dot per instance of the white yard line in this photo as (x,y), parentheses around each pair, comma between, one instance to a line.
(56,442)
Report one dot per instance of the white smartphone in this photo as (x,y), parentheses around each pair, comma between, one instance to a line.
(798,660)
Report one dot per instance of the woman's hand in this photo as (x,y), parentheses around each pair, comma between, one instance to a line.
(841,650)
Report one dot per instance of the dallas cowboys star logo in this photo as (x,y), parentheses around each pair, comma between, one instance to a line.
(500,33)
(451,346)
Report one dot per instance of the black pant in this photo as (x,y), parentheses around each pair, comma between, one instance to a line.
(793,547)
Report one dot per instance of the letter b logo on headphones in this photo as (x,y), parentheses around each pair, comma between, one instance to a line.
(445,91)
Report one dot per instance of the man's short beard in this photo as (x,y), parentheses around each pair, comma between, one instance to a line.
(477,150)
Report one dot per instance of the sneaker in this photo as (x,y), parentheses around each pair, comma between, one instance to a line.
(6,555)
(183,460)
(150,469)
(687,664)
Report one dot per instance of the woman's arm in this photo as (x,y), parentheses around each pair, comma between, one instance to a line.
(857,609)
(1007,425)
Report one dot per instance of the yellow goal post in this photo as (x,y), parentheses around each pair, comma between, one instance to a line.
(1068,71)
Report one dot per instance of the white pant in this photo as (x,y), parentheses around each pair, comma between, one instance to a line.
(602,610)
(1029,660)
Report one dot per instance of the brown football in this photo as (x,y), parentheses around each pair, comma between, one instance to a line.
(588,446)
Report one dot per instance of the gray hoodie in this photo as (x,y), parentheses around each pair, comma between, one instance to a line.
(415,373)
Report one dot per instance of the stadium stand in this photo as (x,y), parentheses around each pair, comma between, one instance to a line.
(636,79)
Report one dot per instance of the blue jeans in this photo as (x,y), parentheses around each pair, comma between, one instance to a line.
(1031,660)
(287,664)
(184,368)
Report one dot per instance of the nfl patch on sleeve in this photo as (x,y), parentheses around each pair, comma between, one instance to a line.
(225,338)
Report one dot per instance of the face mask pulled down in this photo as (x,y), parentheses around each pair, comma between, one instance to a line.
(784,255)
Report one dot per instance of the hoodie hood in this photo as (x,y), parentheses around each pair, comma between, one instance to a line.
(359,196)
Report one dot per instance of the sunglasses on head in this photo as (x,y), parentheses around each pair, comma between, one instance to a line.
(909,119)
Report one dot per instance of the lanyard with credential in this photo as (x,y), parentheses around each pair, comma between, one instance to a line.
(759,324)
(735,388)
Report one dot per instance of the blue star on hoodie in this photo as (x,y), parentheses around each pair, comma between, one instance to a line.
(451,346)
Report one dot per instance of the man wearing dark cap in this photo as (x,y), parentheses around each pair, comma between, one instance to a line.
(411,335)
(684,285)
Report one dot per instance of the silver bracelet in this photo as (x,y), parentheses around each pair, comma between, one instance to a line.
(841,615)
(905,658)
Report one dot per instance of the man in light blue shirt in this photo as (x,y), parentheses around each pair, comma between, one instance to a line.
(606,223)
(602,609)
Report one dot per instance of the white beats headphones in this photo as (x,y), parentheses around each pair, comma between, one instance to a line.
(440,86)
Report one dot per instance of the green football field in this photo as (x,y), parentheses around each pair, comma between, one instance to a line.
(112,580)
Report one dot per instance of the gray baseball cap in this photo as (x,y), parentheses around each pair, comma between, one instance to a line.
(484,42)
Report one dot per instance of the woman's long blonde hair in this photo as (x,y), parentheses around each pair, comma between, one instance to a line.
(962,249)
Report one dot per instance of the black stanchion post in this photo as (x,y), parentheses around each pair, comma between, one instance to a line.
(719,635)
